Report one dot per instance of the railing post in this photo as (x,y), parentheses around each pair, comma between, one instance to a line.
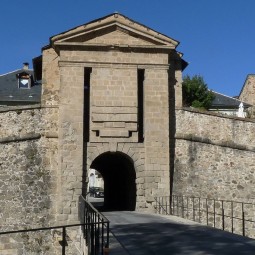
(64,241)
(206,201)
(106,251)
(162,205)
(173,205)
(170,203)
(107,239)
(166,206)
(182,208)
(243,220)
(97,235)
(199,210)
(214,212)
(187,208)
(92,238)
(223,223)
(177,201)
(106,247)
(232,217)
(102,236)
(193,209)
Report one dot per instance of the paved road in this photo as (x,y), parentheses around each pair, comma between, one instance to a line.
(149,234)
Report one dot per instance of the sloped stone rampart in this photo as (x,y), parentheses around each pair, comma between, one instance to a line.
(27,121)
(215,128)
(24,185)
(28,150)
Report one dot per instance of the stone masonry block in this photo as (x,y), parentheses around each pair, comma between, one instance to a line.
(114,132)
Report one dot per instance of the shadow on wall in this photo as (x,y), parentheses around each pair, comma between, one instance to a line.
(172,122)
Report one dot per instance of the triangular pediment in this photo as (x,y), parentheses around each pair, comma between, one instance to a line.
(113,35)
(114,29)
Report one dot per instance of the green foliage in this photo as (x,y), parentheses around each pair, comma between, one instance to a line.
(196,93)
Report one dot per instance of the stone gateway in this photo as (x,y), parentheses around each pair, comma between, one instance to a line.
(112,80)
(112,101)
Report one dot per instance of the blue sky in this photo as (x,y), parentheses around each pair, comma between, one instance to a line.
(216,36)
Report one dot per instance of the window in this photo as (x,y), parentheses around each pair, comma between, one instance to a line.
(24,81)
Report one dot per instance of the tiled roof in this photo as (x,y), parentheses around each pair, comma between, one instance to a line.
(223,101)
(11,94)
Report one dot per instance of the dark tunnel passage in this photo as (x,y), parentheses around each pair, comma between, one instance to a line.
(119,176)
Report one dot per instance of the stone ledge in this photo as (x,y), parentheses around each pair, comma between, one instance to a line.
(25,137)
(26,107)
(20,107)
(228,144)
(211,113)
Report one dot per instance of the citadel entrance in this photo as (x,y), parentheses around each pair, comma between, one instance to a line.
(119,177)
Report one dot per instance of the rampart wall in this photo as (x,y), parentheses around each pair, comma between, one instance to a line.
(214,156)
(28,152)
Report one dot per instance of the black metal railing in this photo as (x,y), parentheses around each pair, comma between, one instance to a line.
(97,234)
(64,237)
(233,216)
(95,228)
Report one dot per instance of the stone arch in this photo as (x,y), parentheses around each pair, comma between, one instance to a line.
(118,171)
(95,151)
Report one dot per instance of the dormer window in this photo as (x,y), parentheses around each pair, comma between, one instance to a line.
(24,80)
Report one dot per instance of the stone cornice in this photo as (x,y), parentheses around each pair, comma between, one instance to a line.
(15,138)
(227,144)
(19,107)
(112,47)
(115,65)
(25,107)
(211,113)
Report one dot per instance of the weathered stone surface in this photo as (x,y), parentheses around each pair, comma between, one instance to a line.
(214,156)
(248,90)
(216,129)
(27,174)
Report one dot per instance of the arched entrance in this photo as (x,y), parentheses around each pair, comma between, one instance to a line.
(119,176)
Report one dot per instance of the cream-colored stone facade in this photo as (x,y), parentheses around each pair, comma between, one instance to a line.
(247,93)
(114,48)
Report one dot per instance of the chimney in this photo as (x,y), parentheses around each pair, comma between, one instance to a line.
(25,66)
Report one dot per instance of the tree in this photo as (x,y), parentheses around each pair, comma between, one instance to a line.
(196,93)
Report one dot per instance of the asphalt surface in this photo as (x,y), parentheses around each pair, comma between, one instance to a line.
(134,233)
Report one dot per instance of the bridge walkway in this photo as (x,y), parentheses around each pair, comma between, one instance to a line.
(134,233)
